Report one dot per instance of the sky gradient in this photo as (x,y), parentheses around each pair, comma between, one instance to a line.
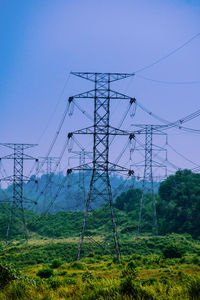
(42,41)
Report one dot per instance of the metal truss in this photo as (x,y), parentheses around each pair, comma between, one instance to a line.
(149,164)
(49,162)
(18,156)
(101,130)
(81,155)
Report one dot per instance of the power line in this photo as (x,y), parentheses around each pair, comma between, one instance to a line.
(169,54)
(55,108)
(169,82)
(177,123)
(54,139)
(183,156)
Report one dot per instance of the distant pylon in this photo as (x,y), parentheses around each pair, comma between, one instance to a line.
(49,162)
(149,163)
(17,180)
(81,155)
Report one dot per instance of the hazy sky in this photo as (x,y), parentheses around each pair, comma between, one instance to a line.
(42,41)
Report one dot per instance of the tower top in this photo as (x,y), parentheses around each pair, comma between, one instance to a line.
(94,76)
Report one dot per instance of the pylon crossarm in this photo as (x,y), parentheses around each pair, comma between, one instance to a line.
(101,131)
(91,76)
(102,94)
(101,168)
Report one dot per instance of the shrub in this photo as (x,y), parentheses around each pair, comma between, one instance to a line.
(193,287)
(54,283)
(77,265)
(130,288)
(173,251)
(196,260)
(7,274)
(45,273)
(69,281)
(18,290)
(115,260)
(130,270)
(149,281)
(56,263)
(87,276)
(131,265)
(91,254)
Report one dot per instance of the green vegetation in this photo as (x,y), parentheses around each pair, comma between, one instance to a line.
(166,266)
(135,277)
(179,204)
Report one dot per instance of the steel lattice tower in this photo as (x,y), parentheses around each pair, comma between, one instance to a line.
(81,155)
(101,131)
(149,163)
(50,162)
(17,180)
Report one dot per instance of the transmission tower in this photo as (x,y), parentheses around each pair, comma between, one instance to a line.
(149,164)
(49,163)
(82,156)
(101,131)
(17,181)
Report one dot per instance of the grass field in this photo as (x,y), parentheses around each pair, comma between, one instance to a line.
(47,269)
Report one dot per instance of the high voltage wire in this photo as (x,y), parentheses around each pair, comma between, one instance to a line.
(168,55)
(163,58)
(177,123)
(55,168)
(58,129)
(54,140)
(167,161)
(183,156)
(56,107)
(169,82)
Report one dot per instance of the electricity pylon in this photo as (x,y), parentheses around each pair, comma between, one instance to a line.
(101,131)
(81,155)
(149,164)
(49,163)
(17,180)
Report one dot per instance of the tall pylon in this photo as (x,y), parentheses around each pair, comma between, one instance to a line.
(148,182)
(17,179)
(101,130)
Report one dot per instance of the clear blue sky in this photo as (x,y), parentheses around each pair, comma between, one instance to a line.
(41,41)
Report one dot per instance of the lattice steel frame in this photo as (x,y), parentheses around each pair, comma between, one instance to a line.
(101,131)
(50,162)
(149,130)
(17,180)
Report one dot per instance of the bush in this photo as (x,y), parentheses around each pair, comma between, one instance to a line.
(193,287)
(196,260)
(56,263)
(130,270)
(45,273)
(7,274)
(130,288)
(69,281)
(173,251)
(54,283)
(77,265)
(87,276)
(131,265)
(18,290)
